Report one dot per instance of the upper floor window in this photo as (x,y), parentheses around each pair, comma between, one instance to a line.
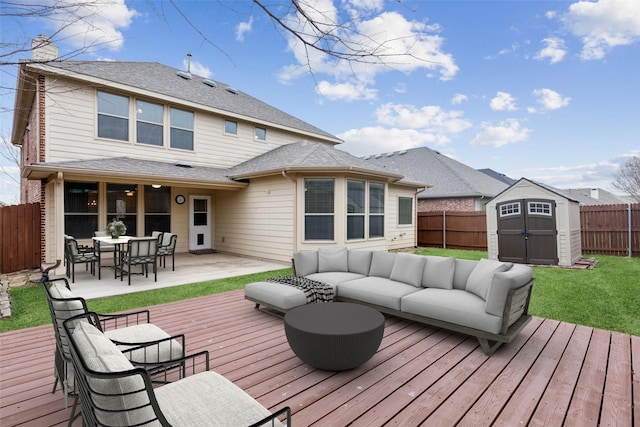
(260,134)
(230,127)
(113,116)
(181,129)
(319,208)
(376,209)
(405,210)
(149,123)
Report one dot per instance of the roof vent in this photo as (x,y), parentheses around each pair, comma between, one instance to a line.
(183,165)
(400,153)
(366,157)
(377,156)
(185,75)
(209,82)
(232,90)
(389,154)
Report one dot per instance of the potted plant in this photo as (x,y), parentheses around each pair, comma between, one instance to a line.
(116,228)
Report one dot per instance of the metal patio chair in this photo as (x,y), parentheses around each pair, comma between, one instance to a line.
(75,254)
(166,248)
(142,251)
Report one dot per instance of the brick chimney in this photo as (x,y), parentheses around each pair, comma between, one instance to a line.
(42,49)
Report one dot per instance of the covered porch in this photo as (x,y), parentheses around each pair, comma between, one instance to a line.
(553,374)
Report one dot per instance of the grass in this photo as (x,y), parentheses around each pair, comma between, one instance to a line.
(606,297)
(30,308)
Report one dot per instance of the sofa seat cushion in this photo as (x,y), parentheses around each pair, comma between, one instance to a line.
(334,277)
(276,295)
(208,399)
(452,305)
(145,332)
(376,290)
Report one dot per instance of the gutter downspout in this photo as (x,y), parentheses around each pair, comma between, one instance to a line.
(295,210)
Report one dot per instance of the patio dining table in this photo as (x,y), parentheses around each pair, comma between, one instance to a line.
(117,244)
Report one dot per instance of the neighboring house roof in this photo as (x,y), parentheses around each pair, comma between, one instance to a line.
(447,177)
(305,156)
(497,175)
(152,79)
(137,169)
(595,196)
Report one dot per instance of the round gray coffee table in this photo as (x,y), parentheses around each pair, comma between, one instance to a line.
(334,336)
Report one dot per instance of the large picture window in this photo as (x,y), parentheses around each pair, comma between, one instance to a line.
(149,123)
(157,209)
(355,209)
(319,208)
(80,209)
(405,210)
(122,204)
(376,209)
(181,129)
(113,116)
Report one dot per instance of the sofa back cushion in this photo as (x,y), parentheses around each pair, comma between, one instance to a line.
(408,268)
(438,272)
(360,262)
(502,283)
(479,280)
(382,264)
(463,270)
(333,259)
(305,262)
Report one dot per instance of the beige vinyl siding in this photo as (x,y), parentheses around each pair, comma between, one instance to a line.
(72,132)
(399,236)
(257,221)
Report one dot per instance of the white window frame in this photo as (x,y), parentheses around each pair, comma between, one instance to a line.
(224,127)
(540,208)
(510,209)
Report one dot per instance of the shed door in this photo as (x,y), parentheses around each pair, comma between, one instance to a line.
(527,231)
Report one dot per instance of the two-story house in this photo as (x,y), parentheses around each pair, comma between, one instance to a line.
(163,149)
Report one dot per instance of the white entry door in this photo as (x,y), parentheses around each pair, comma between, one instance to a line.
(199,222)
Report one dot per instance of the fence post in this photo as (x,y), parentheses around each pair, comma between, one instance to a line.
(629,249)
(444,229)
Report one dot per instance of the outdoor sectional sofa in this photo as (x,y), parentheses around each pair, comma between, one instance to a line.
(486,299)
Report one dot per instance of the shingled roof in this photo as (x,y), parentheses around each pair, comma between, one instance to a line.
(161,79)
(446,176)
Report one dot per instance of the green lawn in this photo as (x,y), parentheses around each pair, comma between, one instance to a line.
(606,297)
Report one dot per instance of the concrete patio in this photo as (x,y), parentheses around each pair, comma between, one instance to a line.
(189,268)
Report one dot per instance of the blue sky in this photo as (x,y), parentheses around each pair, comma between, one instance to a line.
(548,90)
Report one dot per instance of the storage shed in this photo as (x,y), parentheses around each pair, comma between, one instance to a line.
(534,224)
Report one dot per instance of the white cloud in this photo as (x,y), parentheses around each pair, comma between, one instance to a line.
(90,25)
(550,99)
(459,98)
(598,174)
(378,139)
(345,91)
(402,45)
(503,101)
(243,28)
(9,187)
(603,25)
(555,50)
(197,68)
(507,132)
(430,118)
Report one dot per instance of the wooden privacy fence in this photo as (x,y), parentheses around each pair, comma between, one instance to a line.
(605,229)
(19,237)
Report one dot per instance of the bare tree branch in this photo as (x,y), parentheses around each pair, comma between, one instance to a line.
(628,178)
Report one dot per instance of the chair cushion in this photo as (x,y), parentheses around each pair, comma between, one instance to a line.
(145,332)
(333,259)
(306,262)
(209,399)
(438,272)
(408,268)
(480,278)
(382,264)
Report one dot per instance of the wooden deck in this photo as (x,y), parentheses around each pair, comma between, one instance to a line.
(553,374)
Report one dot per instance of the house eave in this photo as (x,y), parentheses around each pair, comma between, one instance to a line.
(316,169)
(25,93)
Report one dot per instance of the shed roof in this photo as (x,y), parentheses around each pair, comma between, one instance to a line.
(446,176)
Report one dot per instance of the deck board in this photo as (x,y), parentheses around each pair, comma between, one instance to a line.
(554,373)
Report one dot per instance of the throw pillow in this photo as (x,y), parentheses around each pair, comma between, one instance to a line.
(359,262)
(382,264)
(332,259)
(480,278)
(501,284)
(408,268)
(438,272)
